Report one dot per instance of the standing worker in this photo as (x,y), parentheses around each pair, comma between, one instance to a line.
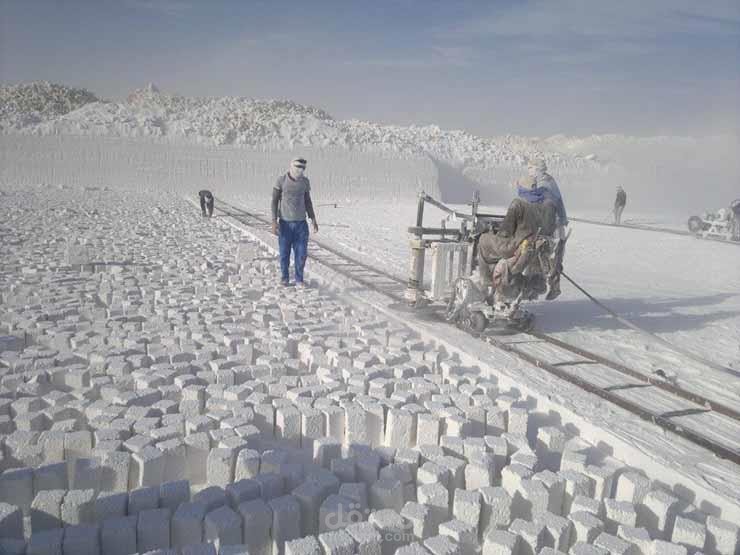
(619,203)
(206,202)
(291,203)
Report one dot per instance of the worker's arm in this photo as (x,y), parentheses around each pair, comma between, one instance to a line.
(276,195)
(310,212)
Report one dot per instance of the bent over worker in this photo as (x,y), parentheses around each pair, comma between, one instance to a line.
(206,202)
(291,203)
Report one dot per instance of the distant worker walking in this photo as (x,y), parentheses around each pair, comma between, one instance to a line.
(206,202)
(619,203)
(291,203)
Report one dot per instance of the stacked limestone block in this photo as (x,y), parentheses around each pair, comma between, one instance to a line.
(159,394)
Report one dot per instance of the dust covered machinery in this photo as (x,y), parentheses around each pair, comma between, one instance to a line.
(723,224)
(479,292)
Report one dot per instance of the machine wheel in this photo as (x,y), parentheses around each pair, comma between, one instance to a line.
(478,321)
(696,224)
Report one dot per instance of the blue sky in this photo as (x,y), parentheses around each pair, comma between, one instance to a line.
(542,67)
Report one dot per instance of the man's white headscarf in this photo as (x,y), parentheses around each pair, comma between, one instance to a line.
(297,167)
(536,166)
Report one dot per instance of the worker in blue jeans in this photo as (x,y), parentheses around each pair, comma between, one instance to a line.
(291,203)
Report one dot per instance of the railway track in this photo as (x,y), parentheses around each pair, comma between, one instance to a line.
(703,421)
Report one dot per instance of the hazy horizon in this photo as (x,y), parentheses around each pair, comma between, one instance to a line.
(528,68)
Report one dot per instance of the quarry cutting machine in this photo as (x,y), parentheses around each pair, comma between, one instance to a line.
(723,225)
(473,291)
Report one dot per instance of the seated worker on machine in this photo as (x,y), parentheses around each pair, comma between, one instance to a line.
(531,216)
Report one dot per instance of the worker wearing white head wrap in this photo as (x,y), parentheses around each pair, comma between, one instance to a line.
(291,203)
(537,168)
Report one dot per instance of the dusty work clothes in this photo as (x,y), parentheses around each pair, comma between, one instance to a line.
(291,199)
(293,236)
(291,203)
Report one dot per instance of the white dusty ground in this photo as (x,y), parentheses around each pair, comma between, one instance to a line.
(194,405)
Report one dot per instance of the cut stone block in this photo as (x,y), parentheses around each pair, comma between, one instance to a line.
(187,525)
(400,430)
(78,507)
(414,548)
(442,545)
(467,507)
(555,490)
(337,512)
(211,498)
(257,525)
(661,547)
(386,494)
(286,522)
(147,468)
(11,521)
(81,540)
(173,494)
(358,493)
(495,510)
(632,487)
(344,469)
(153,530)
(501,542)
(241,491)
(271,485)
(512,476)
(639,537)
(437,498)
(558,531)
(532,536)
(309,496)
(50,477)
(463,533)
(480,471)
(723,537)
(586,527)
(657,512)
(419,517)
(337,543)
(86,474)
(393,530)
(16,486)
(118,536)
(576,483)
(532,501)
(223,526)
(325,450)
(116,471)
(689,533)
(618,513)
(221,467)
(46,510)
(48,542)
(143,499)
(588,505)
(247,464)
(308,545)
(615,545)
(586,549)
(367,538)
(197,449)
